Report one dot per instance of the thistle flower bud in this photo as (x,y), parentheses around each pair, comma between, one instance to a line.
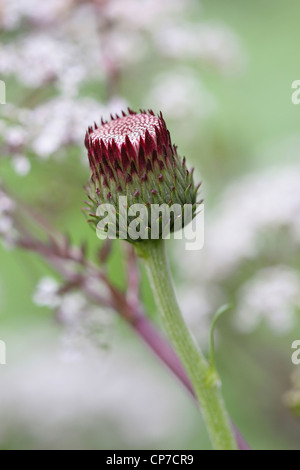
(132,156)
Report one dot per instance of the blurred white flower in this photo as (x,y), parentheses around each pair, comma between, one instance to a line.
(136,14)
(120,394)
(21,164)
(253,213)
(71,307)
(13,11)
(7,205)
(15,136)
(46,293)
(272,296)
(197,305)
(61,121)
(180,93)
(39,58)
(269,200)
(6,224)
(86,326)
(211,43)
(89,34)
(122,47)
(7,230)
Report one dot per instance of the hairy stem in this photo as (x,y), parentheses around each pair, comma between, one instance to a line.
(205,384)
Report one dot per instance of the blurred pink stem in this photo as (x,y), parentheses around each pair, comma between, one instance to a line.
(131,311)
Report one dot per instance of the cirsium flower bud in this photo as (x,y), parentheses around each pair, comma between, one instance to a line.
(132,156)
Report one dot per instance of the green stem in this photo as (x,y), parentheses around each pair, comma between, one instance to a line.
(205,381)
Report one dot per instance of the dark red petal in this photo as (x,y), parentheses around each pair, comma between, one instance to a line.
(87,140)
(116,150)
(141,159)
(131,152)
(116,165)
(124,157)
(113,152)
(148,166)
(133,169)
(149,143)
(102,149)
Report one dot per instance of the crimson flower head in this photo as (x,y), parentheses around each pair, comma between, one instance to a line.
(133,156)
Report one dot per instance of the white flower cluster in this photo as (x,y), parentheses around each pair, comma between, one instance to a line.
(52,125)
(62,48)
(173,37)
(15,138)
(255,225)
(258,203)
(84,37)
(72,42)
(272,296)
(7,231)
(14,11)
(43,396)
(212,43)
(177,92)
(67,45)
(142,15)
(84,323)
(46,293)
(60,122)
(39,59)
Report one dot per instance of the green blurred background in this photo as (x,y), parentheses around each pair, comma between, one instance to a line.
(254,127)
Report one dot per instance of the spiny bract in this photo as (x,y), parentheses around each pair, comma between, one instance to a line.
(133,156)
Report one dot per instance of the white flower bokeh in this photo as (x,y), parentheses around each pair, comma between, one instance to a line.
(271,296)
(257,215)
(99,393)
(7,229)
(67,46)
